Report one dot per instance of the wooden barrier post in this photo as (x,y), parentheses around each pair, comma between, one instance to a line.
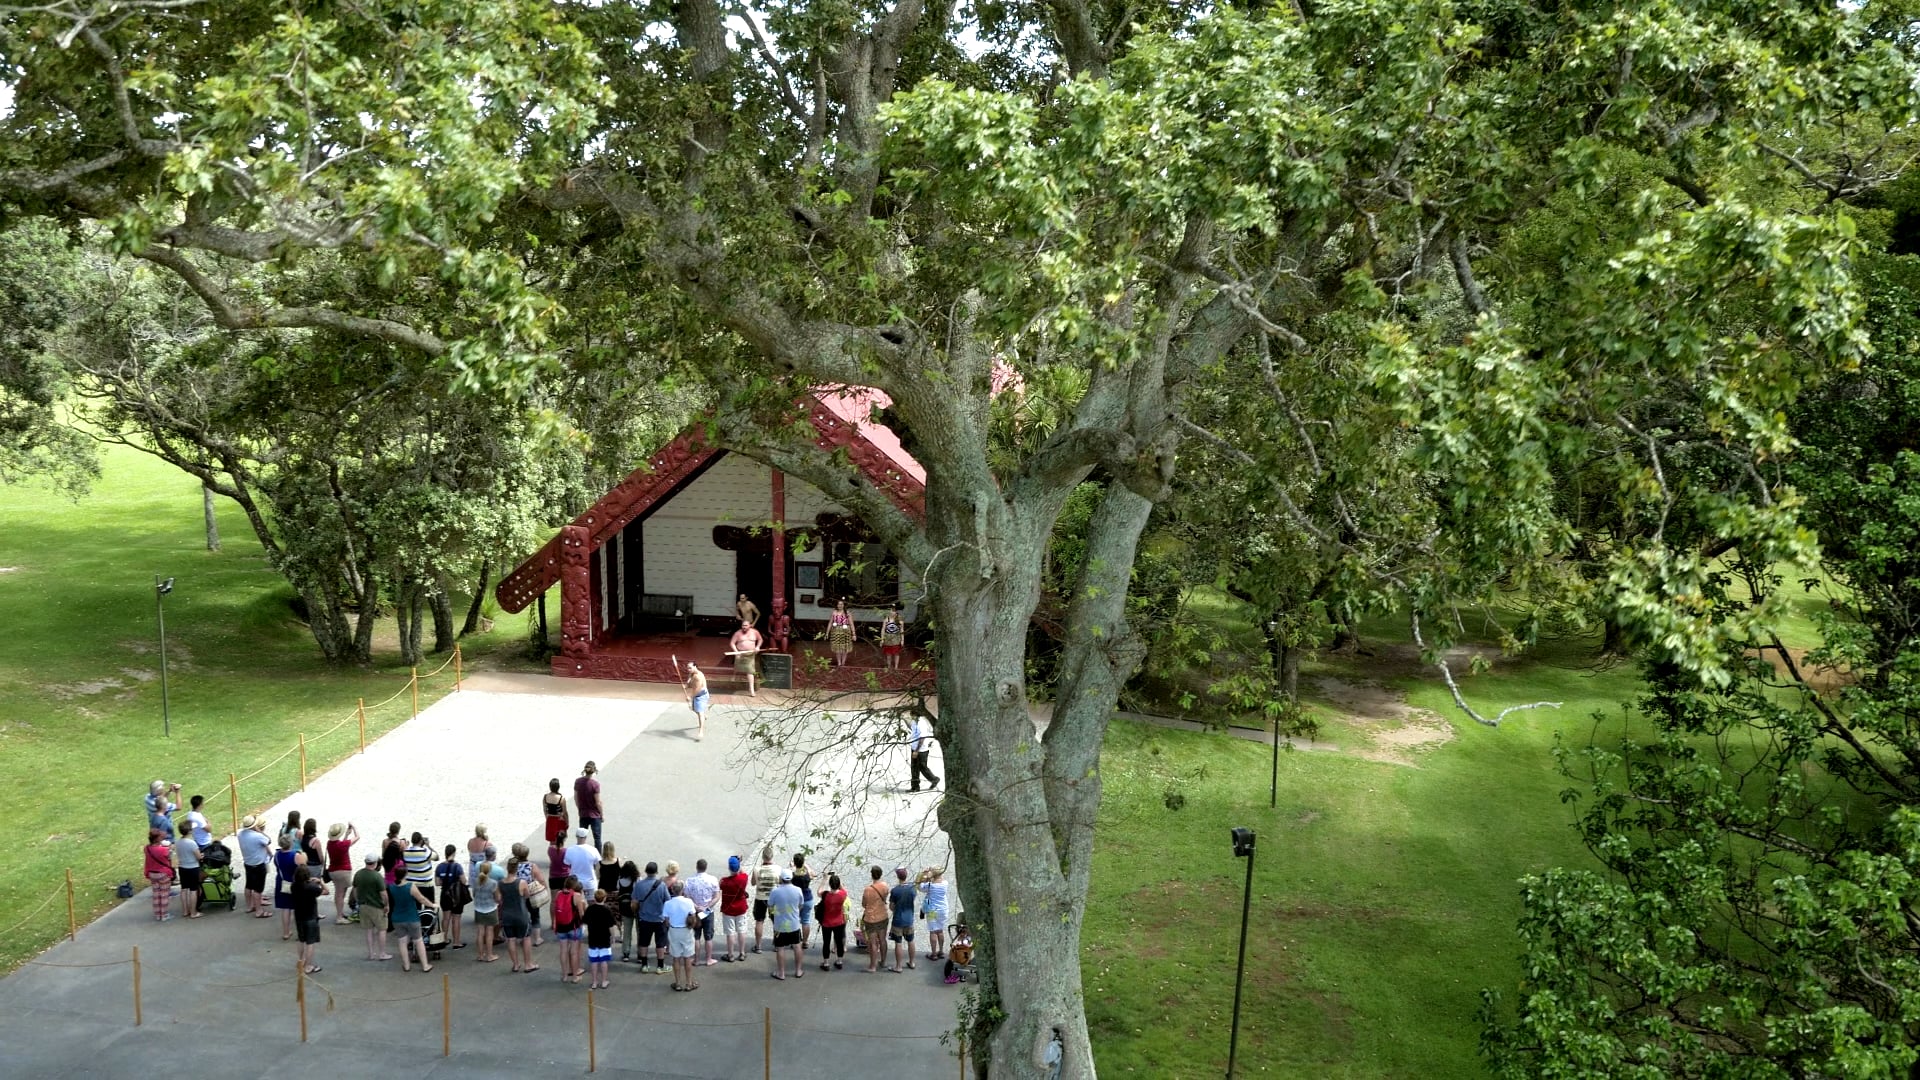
(766,1041)
(456,667)
(963,1058)
(300,994)
(363,725)
(136,986)
(593,1057)
(233,799)
(303,761)
(416,690)
(73,925)
(446,1014)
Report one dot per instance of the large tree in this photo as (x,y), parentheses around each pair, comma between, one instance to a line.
(963,204)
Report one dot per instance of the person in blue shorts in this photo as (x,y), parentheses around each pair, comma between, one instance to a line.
(698,698)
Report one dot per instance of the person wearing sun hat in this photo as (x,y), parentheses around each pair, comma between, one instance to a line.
(256,854)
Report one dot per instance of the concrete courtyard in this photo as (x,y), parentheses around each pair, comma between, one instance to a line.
(218,995)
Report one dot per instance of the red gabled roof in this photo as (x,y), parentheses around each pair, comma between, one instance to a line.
(840,418)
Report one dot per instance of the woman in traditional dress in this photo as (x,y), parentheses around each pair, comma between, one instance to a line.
(840,633)
(893,638)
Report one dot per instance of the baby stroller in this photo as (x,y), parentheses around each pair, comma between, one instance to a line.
(216,876)
(960,956)
(433,932)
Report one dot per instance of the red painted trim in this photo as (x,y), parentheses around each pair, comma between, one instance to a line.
(779,544)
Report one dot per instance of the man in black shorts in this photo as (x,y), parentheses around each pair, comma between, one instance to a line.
(307,887)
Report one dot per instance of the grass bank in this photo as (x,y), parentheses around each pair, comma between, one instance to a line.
(80,702)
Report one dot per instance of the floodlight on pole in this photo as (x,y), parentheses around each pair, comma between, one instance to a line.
(160,590)
(1242,848)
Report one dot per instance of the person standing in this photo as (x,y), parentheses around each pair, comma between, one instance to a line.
(553,808)
(311,845)
(840,633)
(533,886)
(933,908)
(600,921)
(370,892)
(569,928)
(159,873)
(765,877)
(515,916)
(733,910)
(920,742)
(308,886)
(803,880)
(201,834)
(340,841)
(586,803)
(256,854)
(186,855)
(285,862)
(893,638)
(608,875)
(704,890)
(833,924)
(697,698)
(747,611)
(450,885)
(486,910)
(901,900)
(479,850)
(404,902)
(649,904)
(678,912)
(583,860)
(783,904)
(745,647)
(873,919)
(159,802)
(418,858)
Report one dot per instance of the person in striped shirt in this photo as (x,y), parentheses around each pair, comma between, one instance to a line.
(418,859)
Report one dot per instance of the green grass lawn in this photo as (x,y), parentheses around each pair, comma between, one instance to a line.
(1384,897)
(80,703)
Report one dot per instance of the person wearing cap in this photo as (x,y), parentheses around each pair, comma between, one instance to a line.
(678,911)
(583,861)
(733,911)
(160,808)
(586,803)
(901,900)
(704,890)
(783,904)
(256,852)
(340,841)
(370,892)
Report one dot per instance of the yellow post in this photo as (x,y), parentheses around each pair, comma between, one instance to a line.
(593,1057)
(446,1014)
(456,667)
(73,926)
(363,725)
(766,1041)
(300,994)
(416,690)
(136,986)
(233,797)
(303,761)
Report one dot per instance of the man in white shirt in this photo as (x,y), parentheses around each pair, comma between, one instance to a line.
(704,890)
(583,862)
(921,743)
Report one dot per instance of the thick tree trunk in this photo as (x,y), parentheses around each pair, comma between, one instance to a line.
(479,600)
(1023,806)
(441,605)
(408,617)
(213,523)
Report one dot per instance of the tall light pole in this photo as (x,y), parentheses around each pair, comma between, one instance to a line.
(1242,848)
(160,591)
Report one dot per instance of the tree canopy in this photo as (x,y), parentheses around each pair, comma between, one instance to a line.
(1049,232)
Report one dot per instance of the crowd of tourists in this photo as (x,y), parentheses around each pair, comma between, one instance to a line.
(420,899)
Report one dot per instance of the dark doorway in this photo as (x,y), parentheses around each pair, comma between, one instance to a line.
(753,575)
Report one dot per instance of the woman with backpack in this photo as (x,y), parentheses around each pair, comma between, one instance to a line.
(569,909)
(450,881)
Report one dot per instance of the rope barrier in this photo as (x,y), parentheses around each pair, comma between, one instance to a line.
(216,985)
(854,1034)
(35,913)
(51,964)
(327,990)
(288,753)
(674,1023)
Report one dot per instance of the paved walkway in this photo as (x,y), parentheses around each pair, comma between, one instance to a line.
(218,994)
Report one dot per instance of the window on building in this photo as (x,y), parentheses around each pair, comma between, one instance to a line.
(862,574)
